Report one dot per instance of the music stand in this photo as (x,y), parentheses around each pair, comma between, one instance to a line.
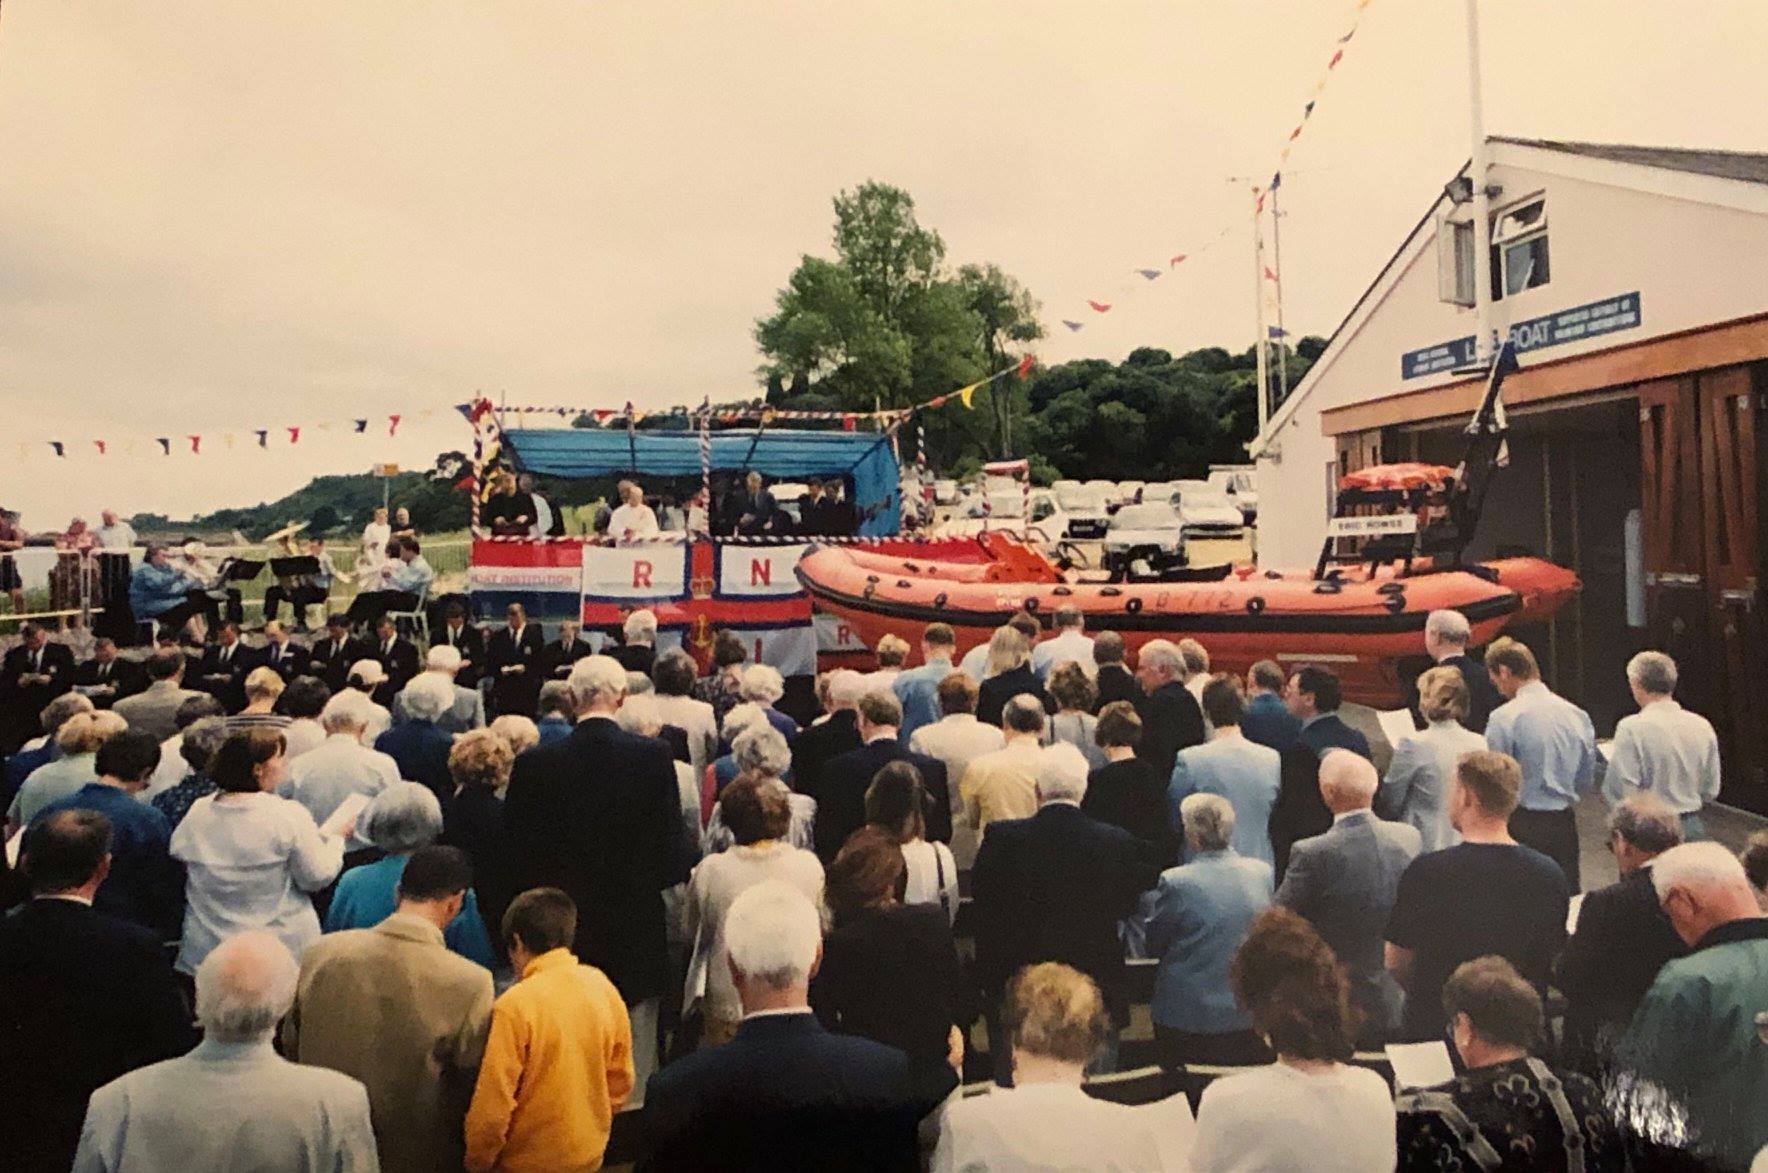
(298,566)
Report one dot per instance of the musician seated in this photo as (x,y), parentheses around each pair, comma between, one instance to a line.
(107,677)
(301,591)
(403,582)
(169,594)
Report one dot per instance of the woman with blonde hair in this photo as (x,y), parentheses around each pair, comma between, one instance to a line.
(479,764)
(892,652)
(263,687)
(520,732)
(1008,674)
(1416,790)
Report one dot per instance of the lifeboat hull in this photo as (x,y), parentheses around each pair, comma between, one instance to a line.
(1362,630)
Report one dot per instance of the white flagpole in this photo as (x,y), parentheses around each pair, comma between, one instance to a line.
(1482,205)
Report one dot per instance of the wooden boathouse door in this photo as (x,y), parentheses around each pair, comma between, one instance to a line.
(1699,490)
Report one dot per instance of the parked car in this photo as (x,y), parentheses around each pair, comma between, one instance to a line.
(945,491)
(1206,512)
(1007,511)
(1241,486)
(1130,492)
(1084,507)
(1143,539)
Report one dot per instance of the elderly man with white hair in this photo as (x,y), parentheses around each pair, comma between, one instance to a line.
(466,706)
(598,815)
(820,744)
(1663,749)
(232,1103)
(1002,784)
(341,765)
(1446,635)
(638,647)
(1694,1053)
(783,1093)
(1171,717)
(1202,910)
(1344,882)
(1053,887)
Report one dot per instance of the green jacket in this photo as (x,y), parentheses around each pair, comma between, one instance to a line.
(1694,1038)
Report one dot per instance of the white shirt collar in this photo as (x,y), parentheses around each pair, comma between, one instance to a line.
(777,1012)
(70,897)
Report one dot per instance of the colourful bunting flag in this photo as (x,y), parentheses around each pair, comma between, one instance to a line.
(1150,274)
(60,448)
(100,445)
(1336,58)
(263,435)
(393,424)
(227,439)
(1073,325)
(1308,110)
(165,443)
(294,432)
(196,445)
(1269,275)
(848,423)
(1100,307)
(359,425)
(1296,133)
(965,394)
(1177,258)
(1023,370)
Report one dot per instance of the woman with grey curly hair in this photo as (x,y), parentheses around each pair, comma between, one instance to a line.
(762,754)
(398,821)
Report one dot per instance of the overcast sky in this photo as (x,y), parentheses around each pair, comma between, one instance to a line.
(221,216)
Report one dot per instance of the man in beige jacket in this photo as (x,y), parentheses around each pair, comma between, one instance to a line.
(394,1008)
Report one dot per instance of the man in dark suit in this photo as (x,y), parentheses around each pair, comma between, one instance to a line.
(107,677)
(1344,883)
(331,656)
(222,669)
(464,638)
(1267,720)
(784,1094)
(557,657)
(1445,640)
(281,654)
(512,661)
(1171,717)
(817,745)
(84,997)
(32,674)
(397,657)
(598,815)
(1313,697)
(814,511)
(1115,682)
(757,508)
(638,649)
(1054,886)
(840,785)
(1623,937)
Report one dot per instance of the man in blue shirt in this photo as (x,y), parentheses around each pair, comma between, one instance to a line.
(1554,742)
(918,688)
(160,591)
(145,884)
(404,582)
(1268,720)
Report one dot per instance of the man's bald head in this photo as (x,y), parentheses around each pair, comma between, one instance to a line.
(1347,781)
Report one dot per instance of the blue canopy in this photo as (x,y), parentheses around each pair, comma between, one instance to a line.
(866,457)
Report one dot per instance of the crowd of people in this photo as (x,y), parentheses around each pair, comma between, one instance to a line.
(519,508)
(363,905)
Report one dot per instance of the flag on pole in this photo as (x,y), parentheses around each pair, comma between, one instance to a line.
(1269,275)
(1275,332)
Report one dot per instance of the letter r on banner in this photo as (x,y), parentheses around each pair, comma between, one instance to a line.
(641,573)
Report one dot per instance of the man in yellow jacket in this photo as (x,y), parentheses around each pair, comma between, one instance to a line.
(558,1064)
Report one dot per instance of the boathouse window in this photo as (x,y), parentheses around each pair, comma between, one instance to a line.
(1455,262)
(1519,248)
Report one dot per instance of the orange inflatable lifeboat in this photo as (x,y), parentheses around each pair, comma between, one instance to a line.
(1360,626)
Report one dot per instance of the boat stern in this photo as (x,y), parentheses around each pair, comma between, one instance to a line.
(1543,587)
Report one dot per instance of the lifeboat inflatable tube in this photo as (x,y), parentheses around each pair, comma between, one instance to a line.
(1360,628)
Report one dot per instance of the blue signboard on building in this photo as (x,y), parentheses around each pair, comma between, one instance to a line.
(1586,321)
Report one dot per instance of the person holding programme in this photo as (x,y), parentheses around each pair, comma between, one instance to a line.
(1055,1023)
(251,858)
(1416,791)
(1663,749)
(1509,1106)
(1310,1109)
